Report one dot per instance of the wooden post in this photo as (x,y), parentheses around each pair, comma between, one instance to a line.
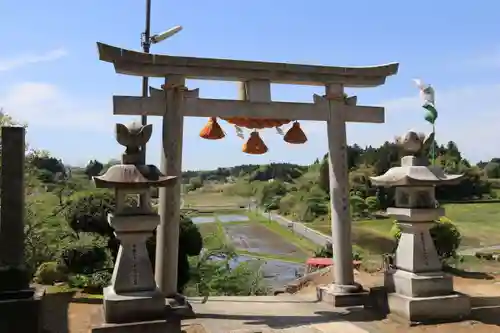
(167,237)
(339,192)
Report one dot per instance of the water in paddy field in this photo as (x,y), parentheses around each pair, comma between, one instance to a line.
(203,219)
(233,218)
(253,237)
(221,218)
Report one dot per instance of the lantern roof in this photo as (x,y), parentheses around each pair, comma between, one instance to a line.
(415,175)
(130,176)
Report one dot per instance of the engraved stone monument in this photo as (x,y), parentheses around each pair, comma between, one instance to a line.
(419,291)
(133,298)
(20,304)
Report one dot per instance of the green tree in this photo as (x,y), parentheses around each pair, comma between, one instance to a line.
(445,236)
(195,183)
(86,212)
(372,204)
(217,273)
(93,168)
(492,170)
(324,176)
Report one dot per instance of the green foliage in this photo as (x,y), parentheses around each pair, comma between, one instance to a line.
(48,167)
(87,211)
(372,204)
(99,280)
(324,252)
(279,171)
(190,244)
(445,236)
(358,205)
(50,272)
(194,184)
(271,192)
(327,252)
(45,234)
(492,170)
(324,177)
(215,273)
(93,168)
(79,281)
(282,171)
(86,255)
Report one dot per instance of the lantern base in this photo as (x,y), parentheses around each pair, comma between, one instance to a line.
(342,296)
(169,324)
(419,310)
(133,307)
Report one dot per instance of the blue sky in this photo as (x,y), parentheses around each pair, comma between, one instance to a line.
(51,78)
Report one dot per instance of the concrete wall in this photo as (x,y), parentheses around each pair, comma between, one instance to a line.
(314,236)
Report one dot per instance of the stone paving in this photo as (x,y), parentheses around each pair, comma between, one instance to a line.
(266,314)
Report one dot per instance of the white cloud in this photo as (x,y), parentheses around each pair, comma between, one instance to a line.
(45,105)
(7,64)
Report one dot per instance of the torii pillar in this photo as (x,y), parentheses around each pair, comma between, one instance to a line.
(176,101)
(344,291)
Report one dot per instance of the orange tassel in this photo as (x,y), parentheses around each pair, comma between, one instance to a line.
(255,145)
(212,130)
(295,135)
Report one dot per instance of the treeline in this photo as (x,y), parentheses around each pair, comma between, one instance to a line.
(303,191)
(286,172)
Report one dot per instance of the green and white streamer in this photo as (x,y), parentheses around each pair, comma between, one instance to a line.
(429,104)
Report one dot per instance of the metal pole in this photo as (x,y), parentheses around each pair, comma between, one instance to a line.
(146,43)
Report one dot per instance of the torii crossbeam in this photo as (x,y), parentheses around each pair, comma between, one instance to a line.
(176,101)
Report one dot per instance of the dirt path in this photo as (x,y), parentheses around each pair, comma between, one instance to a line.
(79,317)
(485,316)
(485,300)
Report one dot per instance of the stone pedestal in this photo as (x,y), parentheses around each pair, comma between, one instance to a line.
(419,291)
(133,294)
(146,326)
(21,311)
(340,297)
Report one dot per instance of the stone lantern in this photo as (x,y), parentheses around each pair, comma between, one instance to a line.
(133,297)
(419,290)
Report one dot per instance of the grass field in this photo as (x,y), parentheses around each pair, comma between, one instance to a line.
(478,223)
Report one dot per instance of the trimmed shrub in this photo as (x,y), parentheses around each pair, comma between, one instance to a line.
(50,272)
(444,233)
(86,255)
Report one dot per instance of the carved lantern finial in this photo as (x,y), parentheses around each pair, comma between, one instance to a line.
(414,143)
(133,137)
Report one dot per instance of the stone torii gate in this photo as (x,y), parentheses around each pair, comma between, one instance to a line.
(176,102)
